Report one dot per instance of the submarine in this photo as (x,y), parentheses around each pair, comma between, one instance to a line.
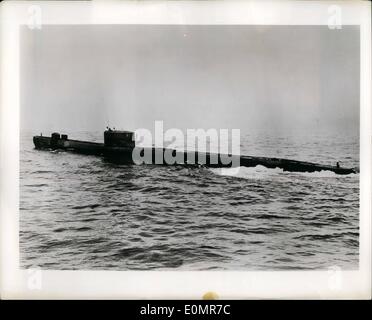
(119,146)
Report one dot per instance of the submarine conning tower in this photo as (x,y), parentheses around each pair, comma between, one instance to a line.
(55,138)
(119,139)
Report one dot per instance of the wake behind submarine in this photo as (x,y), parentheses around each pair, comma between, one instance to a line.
(120,146)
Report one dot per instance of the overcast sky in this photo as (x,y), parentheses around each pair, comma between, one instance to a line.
(249,77)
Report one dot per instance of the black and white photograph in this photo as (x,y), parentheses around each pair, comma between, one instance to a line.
(190,147)
(292,91)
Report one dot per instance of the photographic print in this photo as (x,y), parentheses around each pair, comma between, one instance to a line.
(185,149)
(290,202)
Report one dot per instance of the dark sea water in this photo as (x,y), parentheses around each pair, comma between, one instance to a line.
(81,212)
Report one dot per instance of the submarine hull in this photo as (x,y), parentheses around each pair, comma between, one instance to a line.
(163,156)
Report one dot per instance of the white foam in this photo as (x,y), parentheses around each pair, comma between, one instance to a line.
(261,172)
(257,172)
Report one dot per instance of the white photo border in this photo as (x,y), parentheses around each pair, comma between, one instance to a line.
(42,284)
